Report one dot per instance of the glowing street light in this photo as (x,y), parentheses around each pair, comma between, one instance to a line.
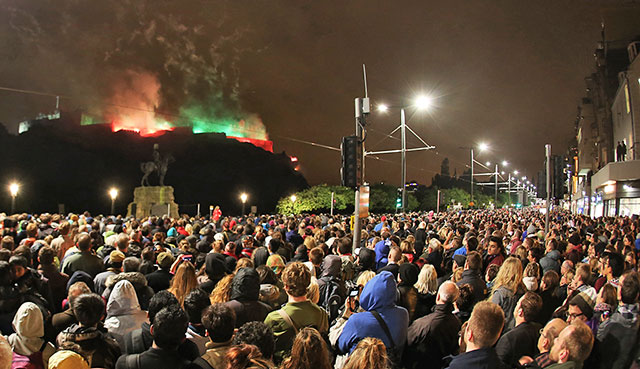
(383,108)
(505,163)
(423,102)
(113,193)
(293,198)
(487,163)
(13,189)
(515,172)
(243,198)
(483,146)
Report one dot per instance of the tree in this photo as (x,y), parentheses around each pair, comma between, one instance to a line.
(317,199)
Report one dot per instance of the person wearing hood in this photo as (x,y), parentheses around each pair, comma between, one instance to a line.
(366,261)
(245,293)
(123,311)
(407,278)
(27,342)
(377,297)
(137,280)
(617,336)
(330,283)
(552,257)
(301,255)
(214,267)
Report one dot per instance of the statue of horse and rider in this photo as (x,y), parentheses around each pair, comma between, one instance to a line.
(159,165)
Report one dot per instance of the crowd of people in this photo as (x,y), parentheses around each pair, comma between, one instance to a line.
(465,289)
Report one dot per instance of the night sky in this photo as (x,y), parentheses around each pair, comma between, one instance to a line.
(508,73)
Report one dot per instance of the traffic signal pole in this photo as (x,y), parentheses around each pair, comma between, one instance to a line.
(547,149)
(361,109)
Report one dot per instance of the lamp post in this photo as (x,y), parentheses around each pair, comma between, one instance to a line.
(293,199)
(483,146)
(113,193)
(243,198)
(422,102)
(13,189)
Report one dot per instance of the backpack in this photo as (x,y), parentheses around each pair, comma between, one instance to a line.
(136,343)
(33,361)
(331,299)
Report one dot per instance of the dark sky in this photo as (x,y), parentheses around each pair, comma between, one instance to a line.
(508,73)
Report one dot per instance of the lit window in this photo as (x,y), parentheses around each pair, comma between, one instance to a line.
(626,98)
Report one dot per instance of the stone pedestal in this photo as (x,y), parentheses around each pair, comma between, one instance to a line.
(153,200)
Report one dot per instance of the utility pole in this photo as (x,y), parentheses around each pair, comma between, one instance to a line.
(495,196)
(403,130)
(509,184)
(362,109)
(547,148)
(472,177)
(438,203)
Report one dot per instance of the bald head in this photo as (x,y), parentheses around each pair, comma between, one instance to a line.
(447,293)
(84,242)
(550,333)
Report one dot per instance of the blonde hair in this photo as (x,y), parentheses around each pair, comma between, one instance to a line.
(365,277)
(427,280)
(184,281)
(313,293)
(222,292)
(370,353)
(309,243)
(509,275)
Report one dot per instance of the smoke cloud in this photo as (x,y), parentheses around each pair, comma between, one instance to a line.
(140,64)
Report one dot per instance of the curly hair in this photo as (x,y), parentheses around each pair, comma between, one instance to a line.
(296,278)
(309,351)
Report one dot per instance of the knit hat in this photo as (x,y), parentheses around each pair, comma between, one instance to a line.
(66,359)
(116,257)
(165,259)
(584,303)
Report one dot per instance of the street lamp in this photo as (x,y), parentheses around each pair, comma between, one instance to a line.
(243,198)
(482,146)
(422,102)
(13,189)
(113,193)
(293,198)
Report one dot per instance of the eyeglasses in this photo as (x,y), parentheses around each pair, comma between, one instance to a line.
(573,315)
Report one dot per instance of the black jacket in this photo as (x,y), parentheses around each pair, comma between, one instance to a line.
(153,359)
(159,280)
(518,342)
(477,359)
(432,337)
(140,340)
(245,291)
(474,279)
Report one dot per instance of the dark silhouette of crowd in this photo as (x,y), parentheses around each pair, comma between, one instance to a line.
(466,289)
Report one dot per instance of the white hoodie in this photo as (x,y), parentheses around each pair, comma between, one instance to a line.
(123,311)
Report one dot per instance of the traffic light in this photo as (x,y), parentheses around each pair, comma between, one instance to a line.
(558,176)
(399,198)
(351,157)
(541,184)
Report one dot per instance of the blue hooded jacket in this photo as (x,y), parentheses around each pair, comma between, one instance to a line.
(382,249)
(379,294)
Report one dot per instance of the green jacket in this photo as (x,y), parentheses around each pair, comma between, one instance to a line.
(303,314)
